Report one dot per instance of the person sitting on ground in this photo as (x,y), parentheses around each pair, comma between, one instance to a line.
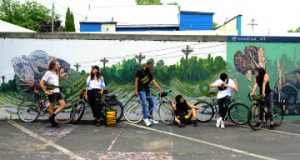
(185,112)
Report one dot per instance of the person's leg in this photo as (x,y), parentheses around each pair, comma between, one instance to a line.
(194,116)
(222,109)
(98,106)
(151,103)
(270,105)
(62,104)
(142,95)
(91,101)
(52,99)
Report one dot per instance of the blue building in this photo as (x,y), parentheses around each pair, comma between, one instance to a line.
(147,18)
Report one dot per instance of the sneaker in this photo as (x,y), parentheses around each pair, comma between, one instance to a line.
(222,124)
(218,122)
(258,125)
(272,127)
(147,122)
(52,120)
(153,121)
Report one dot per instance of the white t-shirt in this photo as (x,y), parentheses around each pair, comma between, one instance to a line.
(95,84)
(225,92)
(52,78)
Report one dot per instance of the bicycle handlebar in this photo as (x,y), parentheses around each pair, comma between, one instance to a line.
(165,93)
(255,97)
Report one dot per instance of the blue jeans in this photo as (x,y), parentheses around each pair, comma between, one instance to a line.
(146,96)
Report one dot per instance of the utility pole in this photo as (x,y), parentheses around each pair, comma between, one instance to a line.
(77,65)
(52,19)
(252,24)
(104,61)
(3,78)
(186,51)
(140,57)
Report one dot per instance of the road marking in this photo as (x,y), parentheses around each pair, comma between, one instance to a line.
(46,141)
(113,142)
(203,142)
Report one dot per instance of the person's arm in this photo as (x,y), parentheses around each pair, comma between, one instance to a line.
(254,88)
(62,73)
(266,79)
(86,89)
(136,86)
(193,106)
(156,85)
(42,85)
(215,85)
(232,86)
(102,85)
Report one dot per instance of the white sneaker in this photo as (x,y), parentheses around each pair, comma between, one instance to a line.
(222,124)
(218,122)
(147,122)
(153,121)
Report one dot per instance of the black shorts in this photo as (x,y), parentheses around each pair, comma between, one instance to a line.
(54,97)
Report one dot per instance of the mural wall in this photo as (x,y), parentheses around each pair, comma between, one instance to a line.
(29,61)
(281,61)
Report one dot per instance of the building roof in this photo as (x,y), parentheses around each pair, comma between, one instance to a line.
(137,15)
(8,27)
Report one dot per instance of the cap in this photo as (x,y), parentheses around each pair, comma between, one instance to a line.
(150,61)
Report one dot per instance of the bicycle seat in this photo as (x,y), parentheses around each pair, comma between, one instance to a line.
(257,97)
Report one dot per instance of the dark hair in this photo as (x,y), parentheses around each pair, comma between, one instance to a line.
(223,76)
(98,75)
(261,74)
(177,98)
(52,64)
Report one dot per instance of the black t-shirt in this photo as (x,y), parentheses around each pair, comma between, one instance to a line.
(145,77)
(182,108)
(260,84)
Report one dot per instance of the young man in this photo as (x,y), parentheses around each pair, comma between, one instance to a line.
(142,79)
(185,112)
(262,81)
(53,92)
(225,87)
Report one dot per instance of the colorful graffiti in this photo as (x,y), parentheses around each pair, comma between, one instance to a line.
(280,61)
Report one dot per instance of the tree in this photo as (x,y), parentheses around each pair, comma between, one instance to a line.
(69,23)
(148,2)
(215,25)
(29,14)
(294,31)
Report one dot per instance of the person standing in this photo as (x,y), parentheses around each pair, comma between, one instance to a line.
(94,89)
(142,79)
(262,81)
(53,91)
(225,87)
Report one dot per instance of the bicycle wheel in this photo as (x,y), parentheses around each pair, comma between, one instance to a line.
(207,114)
(238,113)
(28,112)
(166,113)
(278,113)
(78,111)
(65,116)
(133,111)
(117,105)
(253,117)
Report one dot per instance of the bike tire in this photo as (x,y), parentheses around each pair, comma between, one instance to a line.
(133,112)
(28,112)
(207,114)
(78,110)
(253,116)
(278,114)
(238,113)
(65,116)
(166,113)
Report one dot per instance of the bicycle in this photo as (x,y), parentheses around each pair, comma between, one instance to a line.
(133,110)
(254,111)
(108,102)
(29,112)
(237,111)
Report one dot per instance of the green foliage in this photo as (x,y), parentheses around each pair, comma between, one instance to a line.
(9,86)
(29,14)
(215,25)
(294,31)
(198,69)
(69,23)
(148,2)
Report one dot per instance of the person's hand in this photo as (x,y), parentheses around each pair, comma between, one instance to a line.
(136,93)
(85,96)
(264,95)
(48,93)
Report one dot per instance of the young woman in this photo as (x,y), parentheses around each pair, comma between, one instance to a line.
(185,112)
(262,81)
(225,87)
(94,89)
